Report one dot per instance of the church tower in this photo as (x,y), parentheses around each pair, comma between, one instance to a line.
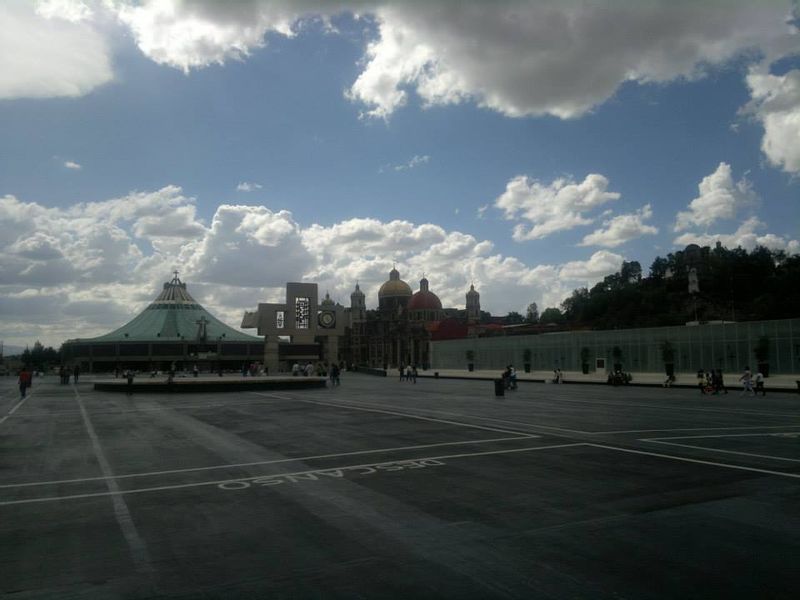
(473,305)
(358,305)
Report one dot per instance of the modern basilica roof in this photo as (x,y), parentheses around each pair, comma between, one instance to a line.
(174,315)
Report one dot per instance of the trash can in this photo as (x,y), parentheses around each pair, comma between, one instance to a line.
(499,387)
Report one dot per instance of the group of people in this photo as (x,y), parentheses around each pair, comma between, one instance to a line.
(63,374)
(509,378)
(748,380)
(711,382)
(408,373)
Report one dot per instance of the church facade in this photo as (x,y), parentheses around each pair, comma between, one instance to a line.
(398,332)
(401,329)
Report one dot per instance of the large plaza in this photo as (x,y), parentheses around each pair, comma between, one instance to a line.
(380,488)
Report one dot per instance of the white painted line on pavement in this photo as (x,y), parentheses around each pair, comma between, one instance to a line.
(724,410)
(738,452)
(379,408)
(697,461)
(264,462)
(141,557)
(118,492)
(721,435)
(694,429)
(15,407)
(401,414)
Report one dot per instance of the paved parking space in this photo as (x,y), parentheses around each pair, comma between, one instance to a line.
(390,489)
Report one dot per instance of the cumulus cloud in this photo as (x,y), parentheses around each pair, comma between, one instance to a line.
(84,269)
(249,246)
(556,58)
(776,104)
(51,52)
(69,164)
(246,186)
(621,229)
(548,208)
(719,198)
(516,58)
(746,236)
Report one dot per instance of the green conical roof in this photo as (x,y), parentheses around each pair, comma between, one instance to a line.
(174,315)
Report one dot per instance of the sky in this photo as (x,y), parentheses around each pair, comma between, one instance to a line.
(528,147)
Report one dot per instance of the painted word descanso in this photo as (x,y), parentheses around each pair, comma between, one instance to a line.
(338,473)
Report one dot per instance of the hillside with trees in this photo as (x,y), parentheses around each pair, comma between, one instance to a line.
(734,285)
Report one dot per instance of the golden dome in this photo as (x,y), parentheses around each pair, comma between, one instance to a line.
(395,286)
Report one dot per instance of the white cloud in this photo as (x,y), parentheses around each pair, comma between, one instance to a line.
(556,58)
(517,58)
(746,236)
(597,266)
(720,198)
(246,186)
(621,229)
(84,269)
(73,11)
(69,164)
(776,104)
(553,207)
(414,162)
(50,54)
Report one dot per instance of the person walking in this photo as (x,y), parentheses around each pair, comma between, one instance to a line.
(719,382)
(747,382)
(25,381)
(402,370)
(335,375)
(760,384)
(129,386)
(75,373)
(414,373)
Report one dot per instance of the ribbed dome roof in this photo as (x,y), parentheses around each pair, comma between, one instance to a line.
(424,299)
(174,315)
(395,286)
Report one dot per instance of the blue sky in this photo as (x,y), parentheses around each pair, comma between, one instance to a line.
(249,144)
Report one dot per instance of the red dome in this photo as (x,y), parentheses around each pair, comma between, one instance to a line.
(424,300)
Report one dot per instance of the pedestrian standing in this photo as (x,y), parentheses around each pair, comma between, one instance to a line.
(747,382)
(760,384)
(701,380)
(402,372)
(414,373)
(309,369)
(76,372)
(129,386)
(25,381)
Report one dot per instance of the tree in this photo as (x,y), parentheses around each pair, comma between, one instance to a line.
(551,315)
(514,318)
(532,314)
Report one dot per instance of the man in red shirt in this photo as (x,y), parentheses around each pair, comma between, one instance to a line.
(25,381)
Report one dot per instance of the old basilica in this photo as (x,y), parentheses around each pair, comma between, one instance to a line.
(404,324)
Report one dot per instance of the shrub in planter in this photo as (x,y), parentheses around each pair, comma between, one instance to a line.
(585,360)
(616,352)
(761,351)
(668,356)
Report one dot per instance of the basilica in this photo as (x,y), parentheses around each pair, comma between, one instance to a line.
(304,328)
(399,332)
